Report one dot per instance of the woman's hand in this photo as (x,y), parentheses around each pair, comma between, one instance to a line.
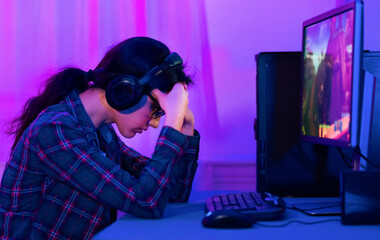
(175,105)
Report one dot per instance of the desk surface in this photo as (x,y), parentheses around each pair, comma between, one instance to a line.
(183,221)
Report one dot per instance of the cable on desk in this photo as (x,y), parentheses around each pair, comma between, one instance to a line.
(296,221)
(304,211)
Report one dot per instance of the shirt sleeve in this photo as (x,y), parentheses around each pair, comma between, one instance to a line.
(182,175)
(129,159)
(66,154)
(184,167)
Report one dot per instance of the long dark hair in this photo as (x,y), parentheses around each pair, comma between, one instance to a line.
(134,56)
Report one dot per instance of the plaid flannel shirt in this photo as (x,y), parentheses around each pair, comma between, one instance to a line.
(65,178)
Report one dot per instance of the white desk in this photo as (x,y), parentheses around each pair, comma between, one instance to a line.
(183,221)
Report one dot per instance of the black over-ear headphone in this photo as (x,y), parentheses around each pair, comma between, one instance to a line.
(126,91)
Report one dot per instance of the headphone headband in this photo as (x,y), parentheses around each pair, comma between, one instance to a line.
(172,60)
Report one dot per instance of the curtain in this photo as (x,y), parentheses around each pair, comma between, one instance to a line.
(38,38)
(218,40)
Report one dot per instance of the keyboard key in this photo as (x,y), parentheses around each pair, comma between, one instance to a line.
(241,202)
(217,203)
(232,199)
(224,199)
(256,198)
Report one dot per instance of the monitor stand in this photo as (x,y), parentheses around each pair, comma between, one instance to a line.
(356,159)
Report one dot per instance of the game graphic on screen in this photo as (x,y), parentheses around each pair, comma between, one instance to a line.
(327,77)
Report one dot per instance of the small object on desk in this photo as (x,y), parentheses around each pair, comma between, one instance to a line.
(227,219)
(360,192)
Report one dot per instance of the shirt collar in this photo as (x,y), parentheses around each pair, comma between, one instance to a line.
(76,106)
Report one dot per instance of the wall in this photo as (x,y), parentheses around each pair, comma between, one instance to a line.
(219,43)
(238,30)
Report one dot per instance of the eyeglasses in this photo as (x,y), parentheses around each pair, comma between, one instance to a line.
(157,113)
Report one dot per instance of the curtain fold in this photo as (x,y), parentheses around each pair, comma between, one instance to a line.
(38,38)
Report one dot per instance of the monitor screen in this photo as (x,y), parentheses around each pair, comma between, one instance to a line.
(332,49)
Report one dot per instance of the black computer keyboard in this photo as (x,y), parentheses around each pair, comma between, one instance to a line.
(261,206)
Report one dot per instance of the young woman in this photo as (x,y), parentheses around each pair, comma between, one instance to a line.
(69,172)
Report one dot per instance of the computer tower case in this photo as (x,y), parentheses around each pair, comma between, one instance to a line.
(371,64)
(285,166)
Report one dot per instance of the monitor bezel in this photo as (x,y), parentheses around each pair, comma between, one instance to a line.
(357,7)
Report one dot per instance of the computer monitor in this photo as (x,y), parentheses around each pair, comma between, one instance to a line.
(331,76)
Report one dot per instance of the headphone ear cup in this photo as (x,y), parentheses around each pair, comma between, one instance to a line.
(124,92)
